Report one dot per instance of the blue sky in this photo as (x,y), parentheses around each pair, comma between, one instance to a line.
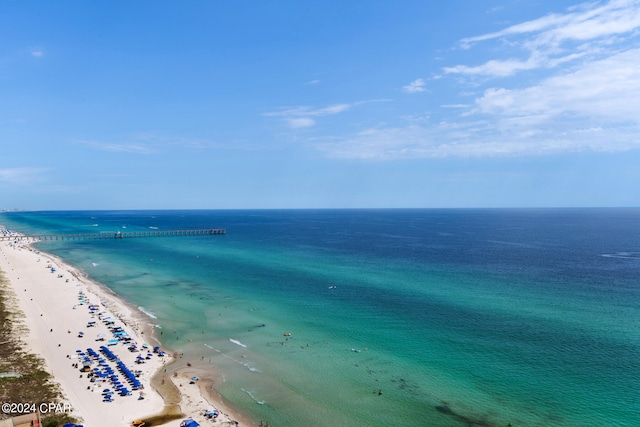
(332,104)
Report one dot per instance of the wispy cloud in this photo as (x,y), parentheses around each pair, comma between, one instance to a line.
(582,22)
(37,52)
(607,89)
(481,138)
(586,31)
(309,111)
(24,175)
(300,122)
(591,109)
(510,66)
(157,142)
(118,147)
(147,142)
(414,87)
(582,93)
(303,116)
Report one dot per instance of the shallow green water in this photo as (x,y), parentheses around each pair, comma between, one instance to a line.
(463,317)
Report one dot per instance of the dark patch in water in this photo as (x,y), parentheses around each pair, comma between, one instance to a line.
(468,421)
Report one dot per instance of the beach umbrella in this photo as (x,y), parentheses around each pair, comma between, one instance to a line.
(194,378)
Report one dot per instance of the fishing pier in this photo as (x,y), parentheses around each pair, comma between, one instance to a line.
(116,235)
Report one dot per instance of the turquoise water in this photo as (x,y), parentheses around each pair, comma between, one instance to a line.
(460,317)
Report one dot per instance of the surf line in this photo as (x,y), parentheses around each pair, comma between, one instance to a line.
(259,402)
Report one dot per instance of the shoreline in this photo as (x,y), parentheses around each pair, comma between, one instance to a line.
(43,295)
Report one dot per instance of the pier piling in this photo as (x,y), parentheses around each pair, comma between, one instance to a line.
(117,234)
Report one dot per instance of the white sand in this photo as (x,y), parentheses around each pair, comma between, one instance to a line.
(196,400)
(54,317)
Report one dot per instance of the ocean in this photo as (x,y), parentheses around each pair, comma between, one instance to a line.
(434,317)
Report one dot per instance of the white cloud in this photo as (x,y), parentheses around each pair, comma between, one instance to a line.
(300,122)
(414,87)
(589,100)
(125,147)
(583,22)
(331,109)
(301,117)
(499,68)
(520,136)
(581,93)
(608,89)
(587,31)
(303,111)
(37,52)
(590,108)
(157,142)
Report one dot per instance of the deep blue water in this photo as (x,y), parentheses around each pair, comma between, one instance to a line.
(462,317)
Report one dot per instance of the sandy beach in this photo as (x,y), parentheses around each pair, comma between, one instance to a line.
(68,319)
